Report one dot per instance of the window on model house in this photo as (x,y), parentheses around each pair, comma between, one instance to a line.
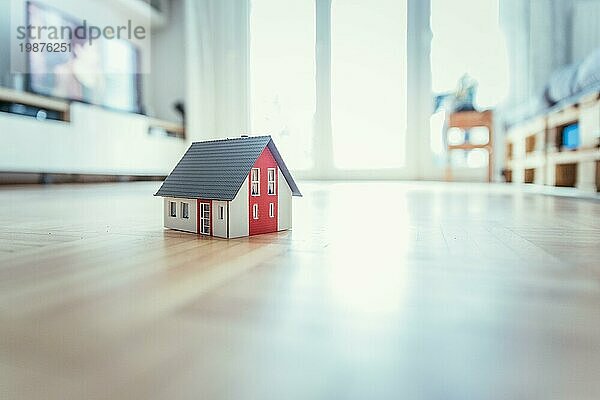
(221,212)
(172,209)
(255,211)
(271,176)
(255,182)
(185,210)
(271,210)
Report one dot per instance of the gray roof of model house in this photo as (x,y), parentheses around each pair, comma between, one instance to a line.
(217,169)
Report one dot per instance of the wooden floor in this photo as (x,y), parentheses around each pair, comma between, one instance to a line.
(381,291)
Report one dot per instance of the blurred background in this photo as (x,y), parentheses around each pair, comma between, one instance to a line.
(432,289)
(470,90)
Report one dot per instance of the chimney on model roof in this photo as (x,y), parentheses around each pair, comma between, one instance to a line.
(244,136)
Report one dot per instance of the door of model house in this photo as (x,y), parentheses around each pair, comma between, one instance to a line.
(205,218)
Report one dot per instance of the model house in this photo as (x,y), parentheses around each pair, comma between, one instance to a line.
(229,188)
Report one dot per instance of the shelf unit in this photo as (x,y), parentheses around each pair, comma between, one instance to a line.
(85,140)
(535,154)
(63,108)
(33,100)
(472,119)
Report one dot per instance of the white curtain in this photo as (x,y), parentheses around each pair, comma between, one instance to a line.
(542,36)
(217,93)
(217,83)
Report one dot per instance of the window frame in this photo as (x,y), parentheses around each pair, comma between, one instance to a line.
(271,210)
(185,210)
(172,209)
(269,181)
(221,213)
(253,182)
(255,211)
(205,218)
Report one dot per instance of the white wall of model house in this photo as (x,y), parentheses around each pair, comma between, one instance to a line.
(178,222)
(238,213)
(284,204)
(219,218)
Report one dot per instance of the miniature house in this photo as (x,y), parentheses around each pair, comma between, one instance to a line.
(229,188)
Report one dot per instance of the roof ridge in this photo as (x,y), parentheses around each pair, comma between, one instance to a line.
(232,139)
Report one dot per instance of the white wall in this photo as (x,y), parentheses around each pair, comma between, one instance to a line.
(238,213)
(179,223)
(96,141)
(219,225)
(284,203)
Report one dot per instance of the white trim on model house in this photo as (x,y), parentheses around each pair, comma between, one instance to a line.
(271,177)
(255,182)
(205,218)
(185,210)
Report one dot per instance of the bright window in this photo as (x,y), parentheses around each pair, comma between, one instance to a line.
(282,75)
(271,176)
(173,209)
(255,179)
(271,210)
(368,83)
(185,210)
(255,211)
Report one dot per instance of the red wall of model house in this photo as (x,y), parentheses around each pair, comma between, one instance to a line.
(264,223)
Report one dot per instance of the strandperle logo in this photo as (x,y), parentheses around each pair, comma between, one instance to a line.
(82,32)
(48,39)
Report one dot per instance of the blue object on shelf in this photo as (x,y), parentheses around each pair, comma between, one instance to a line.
(570,136)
